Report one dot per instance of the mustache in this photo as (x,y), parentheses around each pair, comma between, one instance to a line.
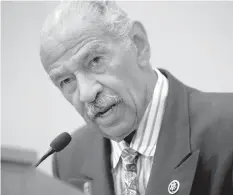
(101,103)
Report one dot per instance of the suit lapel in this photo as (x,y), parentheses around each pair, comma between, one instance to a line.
(173,158)
(97,167)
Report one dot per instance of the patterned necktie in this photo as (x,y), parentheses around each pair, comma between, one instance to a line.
(129,161)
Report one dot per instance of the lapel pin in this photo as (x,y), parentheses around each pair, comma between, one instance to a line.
(173,186)
(87,188)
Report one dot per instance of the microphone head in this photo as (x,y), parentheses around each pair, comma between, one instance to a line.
(60,142)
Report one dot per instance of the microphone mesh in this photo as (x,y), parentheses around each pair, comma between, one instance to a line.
(60,142)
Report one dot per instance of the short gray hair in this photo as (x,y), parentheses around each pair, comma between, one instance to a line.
(105,14)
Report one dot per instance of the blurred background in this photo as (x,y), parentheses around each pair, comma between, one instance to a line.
(193,40)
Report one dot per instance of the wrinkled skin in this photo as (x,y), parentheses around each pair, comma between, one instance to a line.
(88,66)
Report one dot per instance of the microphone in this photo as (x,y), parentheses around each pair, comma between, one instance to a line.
(58,144)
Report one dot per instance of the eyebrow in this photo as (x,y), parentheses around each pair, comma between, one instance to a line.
(93,48)
(57,74)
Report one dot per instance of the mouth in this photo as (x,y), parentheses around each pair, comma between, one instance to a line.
(105,111)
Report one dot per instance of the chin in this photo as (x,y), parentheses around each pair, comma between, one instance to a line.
(118,132)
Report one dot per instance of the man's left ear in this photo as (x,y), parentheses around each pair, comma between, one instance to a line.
(139,37)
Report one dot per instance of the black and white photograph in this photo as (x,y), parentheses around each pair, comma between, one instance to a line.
(116,97)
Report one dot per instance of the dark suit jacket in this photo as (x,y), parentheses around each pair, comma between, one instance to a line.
(195,147)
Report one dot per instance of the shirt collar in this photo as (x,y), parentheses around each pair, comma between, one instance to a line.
(145,138)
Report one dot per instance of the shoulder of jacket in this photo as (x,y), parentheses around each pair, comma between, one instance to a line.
(211,120)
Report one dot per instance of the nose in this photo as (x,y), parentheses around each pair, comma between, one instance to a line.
(88,88)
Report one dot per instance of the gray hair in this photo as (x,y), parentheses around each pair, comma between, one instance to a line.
(105,14)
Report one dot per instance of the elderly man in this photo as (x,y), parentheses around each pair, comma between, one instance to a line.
(146,133)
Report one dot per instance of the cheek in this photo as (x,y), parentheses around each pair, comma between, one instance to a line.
(125,80)
(75,98)
(126,69)
(74,101)
(121,76)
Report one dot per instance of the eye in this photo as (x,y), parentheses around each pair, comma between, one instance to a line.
(65,81)
(68,85)
(96,60)
(97,64)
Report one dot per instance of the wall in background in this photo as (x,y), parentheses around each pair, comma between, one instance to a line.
(193,40)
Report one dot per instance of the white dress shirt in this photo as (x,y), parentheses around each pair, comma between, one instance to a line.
(144,140)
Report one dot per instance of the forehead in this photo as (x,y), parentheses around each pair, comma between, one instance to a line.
(62,46)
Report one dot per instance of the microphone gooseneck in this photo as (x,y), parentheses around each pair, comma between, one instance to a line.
(58,144)
(50,151)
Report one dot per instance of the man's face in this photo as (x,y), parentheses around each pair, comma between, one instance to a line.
(100,77)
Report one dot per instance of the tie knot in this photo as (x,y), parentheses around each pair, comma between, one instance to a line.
(129,156)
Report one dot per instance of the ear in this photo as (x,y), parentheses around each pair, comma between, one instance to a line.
(139,38)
